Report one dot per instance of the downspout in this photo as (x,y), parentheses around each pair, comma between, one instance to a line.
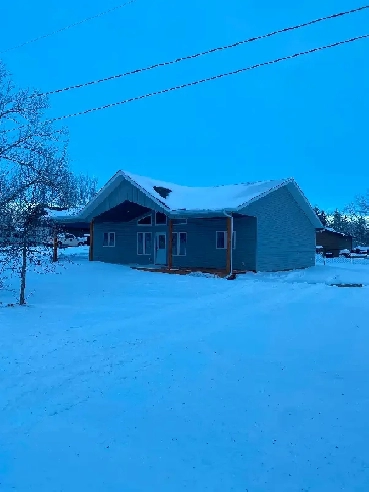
(231,217)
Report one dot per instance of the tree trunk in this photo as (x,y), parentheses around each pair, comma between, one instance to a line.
(22,299)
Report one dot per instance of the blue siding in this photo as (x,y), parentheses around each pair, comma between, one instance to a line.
(244,256)
(285,235)
(201,243)
(125,249)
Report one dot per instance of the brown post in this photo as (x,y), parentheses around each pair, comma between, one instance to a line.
(229,246)
(55,248)
(91,252)
(170,244)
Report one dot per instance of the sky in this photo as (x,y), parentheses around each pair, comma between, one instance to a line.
(305,118)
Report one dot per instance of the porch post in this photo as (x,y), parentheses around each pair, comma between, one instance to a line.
(91,252)
(229,246)
(55,248)
(170,244)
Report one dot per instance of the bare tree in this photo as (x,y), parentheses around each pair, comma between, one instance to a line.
(34,173)
(80,189)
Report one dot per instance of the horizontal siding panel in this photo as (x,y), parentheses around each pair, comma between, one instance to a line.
(285,235)
(201,244)
(125,250)
(244,256)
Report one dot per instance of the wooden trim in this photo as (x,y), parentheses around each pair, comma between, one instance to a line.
(229,246)
(170,245)
(91,253)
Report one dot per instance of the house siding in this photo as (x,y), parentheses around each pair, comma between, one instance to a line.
(201,243)
(285,235)
(125,249)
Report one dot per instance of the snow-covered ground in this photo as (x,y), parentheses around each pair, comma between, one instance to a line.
(124,381)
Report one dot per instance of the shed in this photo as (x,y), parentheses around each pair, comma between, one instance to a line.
(332,242)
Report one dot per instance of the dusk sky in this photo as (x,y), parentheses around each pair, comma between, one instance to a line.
(305,118)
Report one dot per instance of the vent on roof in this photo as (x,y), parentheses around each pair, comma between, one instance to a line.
(163,192)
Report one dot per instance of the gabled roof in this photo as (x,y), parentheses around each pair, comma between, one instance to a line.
(178,199)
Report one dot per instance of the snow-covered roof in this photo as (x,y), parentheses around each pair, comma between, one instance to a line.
(57,213)
(66,215)
(203,198)
(182,200)
(330,229)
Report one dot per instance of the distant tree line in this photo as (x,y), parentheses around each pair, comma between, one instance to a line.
(353,219)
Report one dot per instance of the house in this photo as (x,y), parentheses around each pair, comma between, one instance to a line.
(260,226)
(332,242)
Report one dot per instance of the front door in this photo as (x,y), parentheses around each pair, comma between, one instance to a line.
(161,248)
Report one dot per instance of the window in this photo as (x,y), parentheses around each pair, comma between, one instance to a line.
(109,240)
(144,243)
(147,220)
(221,240)
(179,221)
(179,243)
(160,218)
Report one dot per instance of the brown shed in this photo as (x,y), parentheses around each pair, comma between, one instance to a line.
(331,241)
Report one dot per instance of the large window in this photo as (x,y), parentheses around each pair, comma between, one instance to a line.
(144,246)
(109,240)
(179,243)
(144,221)
(221,240)
(160,218)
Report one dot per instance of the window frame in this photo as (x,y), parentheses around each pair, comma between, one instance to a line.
(164,223)
(109,245)
(144,217)
(178,233)
(225,234)
(144,243)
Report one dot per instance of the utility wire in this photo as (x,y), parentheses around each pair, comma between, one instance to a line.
(214,77)
(203,53)
(67,27)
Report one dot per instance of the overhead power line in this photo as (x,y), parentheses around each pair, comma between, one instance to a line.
(75,24)
(214,77)
(207,52)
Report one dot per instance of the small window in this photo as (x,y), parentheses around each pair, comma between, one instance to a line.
(147,220)
(179,243)
(160,218)
(221,240)
(179,221)
(109,240)
(144,243)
